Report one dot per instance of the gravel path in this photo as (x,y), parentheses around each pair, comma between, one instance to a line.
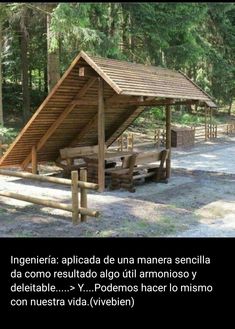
(217,156)
(198,201)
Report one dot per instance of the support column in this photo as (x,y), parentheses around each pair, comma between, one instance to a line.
(168,140)
(101,136)
(34,161)
(206,127)
(210,122)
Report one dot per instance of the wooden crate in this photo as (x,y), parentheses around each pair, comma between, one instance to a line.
(182,137)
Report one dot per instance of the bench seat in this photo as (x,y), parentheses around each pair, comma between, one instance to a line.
(138,166)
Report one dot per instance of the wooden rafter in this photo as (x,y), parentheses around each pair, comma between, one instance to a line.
(101,136)
(59,120)
(118,103)
(89,126)
(124,125)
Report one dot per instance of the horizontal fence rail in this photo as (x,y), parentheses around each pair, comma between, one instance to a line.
(78,212)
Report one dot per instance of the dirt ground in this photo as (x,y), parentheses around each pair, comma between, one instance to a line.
(199,200)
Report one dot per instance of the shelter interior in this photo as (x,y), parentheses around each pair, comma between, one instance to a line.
(93,103)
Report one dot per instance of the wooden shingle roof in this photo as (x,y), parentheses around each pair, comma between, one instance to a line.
(137,79)
(68,116)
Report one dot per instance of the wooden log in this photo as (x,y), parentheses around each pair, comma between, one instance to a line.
(62,181)
(101,136)
(73,152)
(168,141)
(75,201)
(34,161)
(83,192)
(46,203)
(206,125)
(130,142)
(210,109)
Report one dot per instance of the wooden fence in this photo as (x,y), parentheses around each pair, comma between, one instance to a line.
(213,131)
(125,142)
(203,132)
(79,212)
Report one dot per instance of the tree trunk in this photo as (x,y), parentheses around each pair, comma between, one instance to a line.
(1,107)
(53,60)
(125,31)
(45,79)
(230,106)
(24,41)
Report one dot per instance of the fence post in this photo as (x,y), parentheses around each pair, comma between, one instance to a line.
(83,191)
(34,161)
(74,187)
(130,142)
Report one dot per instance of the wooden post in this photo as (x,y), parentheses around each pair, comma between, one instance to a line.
(121,141)
(205,123)
(74,186)
(168,140)
(34,161)
(101,135)
(130,142)
(83,202)
(210,122)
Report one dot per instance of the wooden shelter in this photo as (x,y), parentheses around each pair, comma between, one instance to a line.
(94,103)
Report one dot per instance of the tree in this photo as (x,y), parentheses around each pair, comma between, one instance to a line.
(1,107)
(24,43)
(53,53)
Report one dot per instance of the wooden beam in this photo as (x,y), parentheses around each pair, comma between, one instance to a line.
(34,161)
(86,129)
(206,126)
(101,136)
(168,140)
(48,179)
(135,102)
(73,152)
(83,202)
(59,120)
(84,89)
(210,122)
(75,197)
(87,71)
(127,121)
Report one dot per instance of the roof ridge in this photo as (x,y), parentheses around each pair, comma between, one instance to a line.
(104,75)
(125,61)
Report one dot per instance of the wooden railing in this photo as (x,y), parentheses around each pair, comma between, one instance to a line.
(160,137)
(213,131)
(78,209)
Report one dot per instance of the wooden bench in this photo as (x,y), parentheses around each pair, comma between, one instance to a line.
(69,154)
(140,165)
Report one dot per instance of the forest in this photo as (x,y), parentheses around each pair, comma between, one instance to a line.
(38,41)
